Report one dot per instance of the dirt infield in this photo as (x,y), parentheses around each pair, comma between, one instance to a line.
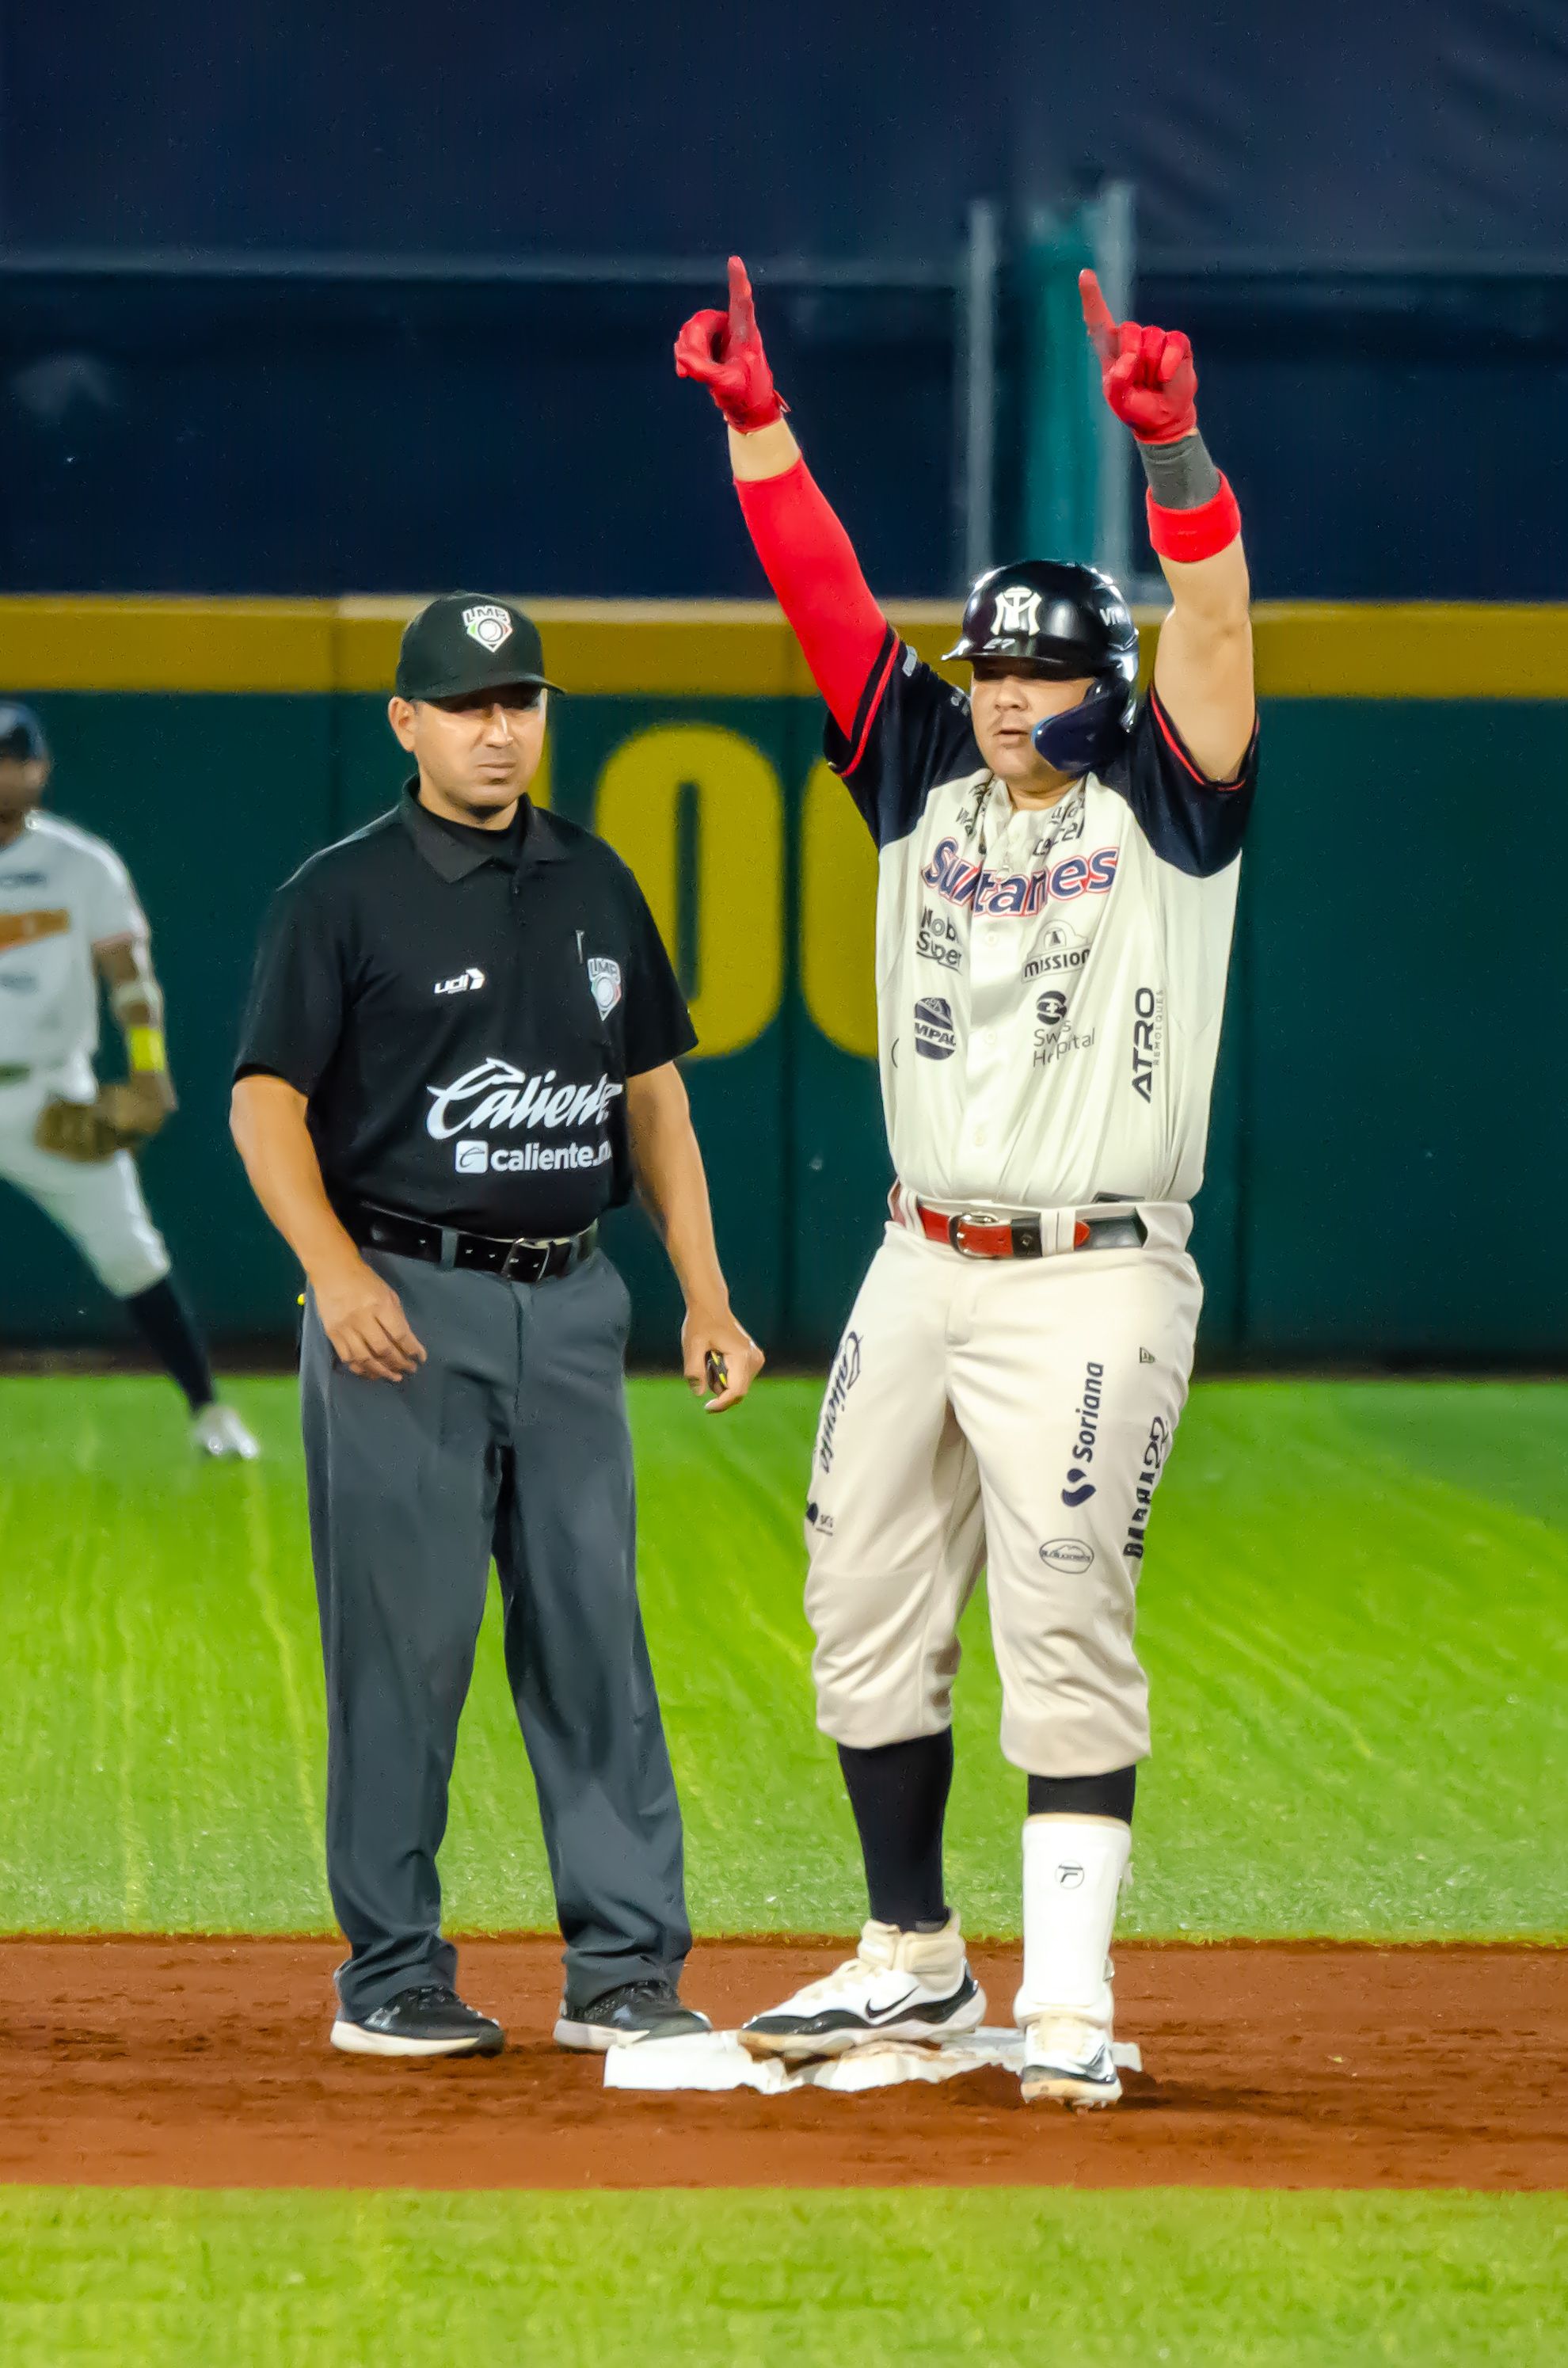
(204,2062)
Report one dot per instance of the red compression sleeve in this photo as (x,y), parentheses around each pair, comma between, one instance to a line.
(810,563)
(1195,534)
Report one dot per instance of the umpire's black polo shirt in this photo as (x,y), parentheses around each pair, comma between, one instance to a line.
(461,1009)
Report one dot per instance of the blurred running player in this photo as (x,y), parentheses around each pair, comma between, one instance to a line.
(69,918)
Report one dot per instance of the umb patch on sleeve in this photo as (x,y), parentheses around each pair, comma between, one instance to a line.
(604,978)
(487,624)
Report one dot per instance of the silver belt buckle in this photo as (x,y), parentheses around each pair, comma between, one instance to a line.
(987,1217)
(522,1243)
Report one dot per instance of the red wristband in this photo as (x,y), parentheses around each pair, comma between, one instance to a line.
(1195,534)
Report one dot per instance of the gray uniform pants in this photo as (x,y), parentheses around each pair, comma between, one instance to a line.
(510,1440)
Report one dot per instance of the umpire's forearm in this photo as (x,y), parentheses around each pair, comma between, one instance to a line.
(672,1184)
(266,1119)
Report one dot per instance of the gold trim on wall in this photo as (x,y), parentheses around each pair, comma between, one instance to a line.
(738,649)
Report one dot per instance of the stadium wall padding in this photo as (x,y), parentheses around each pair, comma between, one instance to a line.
(1388,1135)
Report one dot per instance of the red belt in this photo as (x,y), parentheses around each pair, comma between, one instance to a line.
(978,1234)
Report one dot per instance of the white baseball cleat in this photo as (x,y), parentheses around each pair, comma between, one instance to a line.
(904,1985)
(1069,2060)
(217,1431)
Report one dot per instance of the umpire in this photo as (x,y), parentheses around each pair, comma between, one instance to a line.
(458,1052)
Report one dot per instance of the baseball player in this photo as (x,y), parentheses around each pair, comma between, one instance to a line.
(1058,872)
(69,920)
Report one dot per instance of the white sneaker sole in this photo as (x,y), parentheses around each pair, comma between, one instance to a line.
(1056,2083)
(353,2039)
(592,2038)
(803,2047)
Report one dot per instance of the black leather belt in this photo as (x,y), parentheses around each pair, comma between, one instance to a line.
(523,1260)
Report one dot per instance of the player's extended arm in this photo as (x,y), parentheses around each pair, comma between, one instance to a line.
(361,1314)
(672,1187)
(147,1097)
(123,1115)
(808,558)
(1203,671)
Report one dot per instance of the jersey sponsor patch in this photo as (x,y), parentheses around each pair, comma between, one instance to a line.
(936,1038)
(1071,1554)
(26,928)
(1062,951)
(473,1156)
(1079,1487)
(467,981)
(1148,1039)
(936,940)
(496,1095)
(846,1374)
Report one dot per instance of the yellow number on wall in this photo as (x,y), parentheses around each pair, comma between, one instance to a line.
(736,964)
(838,900)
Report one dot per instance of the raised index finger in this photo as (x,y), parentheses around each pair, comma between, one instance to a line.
(743,312)
(1098,318)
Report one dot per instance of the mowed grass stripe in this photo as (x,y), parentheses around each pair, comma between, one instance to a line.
(1352,1614)
(1004,2277)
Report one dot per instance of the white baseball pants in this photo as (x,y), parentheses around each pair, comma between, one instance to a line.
(1014,1412)
(99,1206)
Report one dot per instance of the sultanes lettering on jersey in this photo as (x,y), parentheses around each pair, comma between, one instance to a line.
(1068,1052)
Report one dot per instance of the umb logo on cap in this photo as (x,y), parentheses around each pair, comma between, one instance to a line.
(487,624)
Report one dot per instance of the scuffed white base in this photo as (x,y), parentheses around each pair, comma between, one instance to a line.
(715,2059)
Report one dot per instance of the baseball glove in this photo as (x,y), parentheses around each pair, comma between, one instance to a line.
(89,1132)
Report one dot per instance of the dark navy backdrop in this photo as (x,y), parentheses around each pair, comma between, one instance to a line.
(1359,212)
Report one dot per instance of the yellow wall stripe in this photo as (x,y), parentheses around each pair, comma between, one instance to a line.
(729,649)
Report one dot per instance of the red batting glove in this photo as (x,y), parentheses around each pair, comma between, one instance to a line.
(723,352)
(1148,374)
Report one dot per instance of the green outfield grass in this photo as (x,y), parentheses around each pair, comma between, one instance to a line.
(1003,2277)
(1354,1613)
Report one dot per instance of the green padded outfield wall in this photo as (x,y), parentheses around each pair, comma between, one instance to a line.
(1388,1141)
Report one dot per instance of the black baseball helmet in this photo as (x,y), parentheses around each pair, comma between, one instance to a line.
(21,734)
(1066,620)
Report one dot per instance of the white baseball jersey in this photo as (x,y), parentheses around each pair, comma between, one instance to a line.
(62,892)
(1050,983)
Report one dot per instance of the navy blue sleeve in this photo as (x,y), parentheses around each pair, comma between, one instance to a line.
(1194,824)
(910,731)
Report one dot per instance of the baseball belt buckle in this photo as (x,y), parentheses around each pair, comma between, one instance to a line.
(981,1221)
(507,1274)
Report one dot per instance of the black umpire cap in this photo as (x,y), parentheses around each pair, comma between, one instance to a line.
(466,642)
(22,738)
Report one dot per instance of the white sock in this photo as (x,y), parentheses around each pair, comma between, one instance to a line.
(1073,1872)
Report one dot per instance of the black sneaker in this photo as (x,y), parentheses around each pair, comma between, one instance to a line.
(428,2021)
(621,2017)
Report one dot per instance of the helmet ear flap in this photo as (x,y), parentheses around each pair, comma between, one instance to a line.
(1083,738)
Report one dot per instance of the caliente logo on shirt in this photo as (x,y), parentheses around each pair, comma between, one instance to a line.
(496,1095)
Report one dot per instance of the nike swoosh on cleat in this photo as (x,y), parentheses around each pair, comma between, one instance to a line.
(876,2014)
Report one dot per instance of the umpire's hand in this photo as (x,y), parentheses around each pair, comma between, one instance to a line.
(720,1356)
(363,1318)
